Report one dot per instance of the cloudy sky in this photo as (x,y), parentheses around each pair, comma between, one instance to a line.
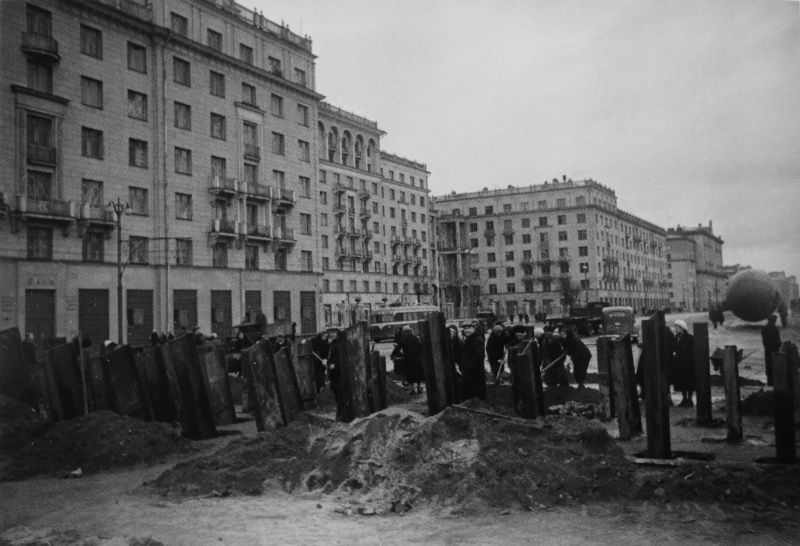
(688,109)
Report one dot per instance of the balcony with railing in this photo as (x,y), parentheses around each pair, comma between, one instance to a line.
(256,192)
(527,262)
(42,155)
(630,280)
(363,194)
(403,223)
(338,188)
(366,234)
(340,231)
(140,10)
(354,233)
(47,210)
(258,232)
(225,228)
(408,241)
(396,240)
(367,255)
(563,259)
(40,48)
(364,214)
(223,186)
(252,152)
(339,209)
(417,260)
(416,242)
(96,217)
(283,198)
(351,211)
(284,236)
(508,231)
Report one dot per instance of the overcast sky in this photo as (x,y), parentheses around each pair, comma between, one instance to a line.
(688,109)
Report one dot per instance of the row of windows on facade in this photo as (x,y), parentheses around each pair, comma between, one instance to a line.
(92,147)
(92,95)
(92,44)
(180,25)
(580,201)
(563,252)
(378,287)
(325,242)
(40,78)
(40,247)
(401,177)
(399,196)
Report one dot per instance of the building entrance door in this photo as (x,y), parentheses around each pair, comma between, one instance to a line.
(40,315)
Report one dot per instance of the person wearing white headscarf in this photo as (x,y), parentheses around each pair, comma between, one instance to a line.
(682,367)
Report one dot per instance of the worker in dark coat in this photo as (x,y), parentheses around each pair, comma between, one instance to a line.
(320,349)
(580,355)
(473,373)
(412,356)
(553,355)
(496,348)
(771,339)
(682,365)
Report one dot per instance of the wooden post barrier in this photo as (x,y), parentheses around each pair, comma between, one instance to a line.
(124,384)
(291,403)
(66,373)
(605,349)
(733,414)
(437,363)
(303,363)
(257,366)
(626,399)
(156,384)
(526,379)
(211,357)
(183,369)
(16,377)
(783,371)
(378,388)
(702,373)
(355,369)
(655,358)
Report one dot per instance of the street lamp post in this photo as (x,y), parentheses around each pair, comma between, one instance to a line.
(119,208)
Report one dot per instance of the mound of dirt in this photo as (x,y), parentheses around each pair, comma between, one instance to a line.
(500,397)
(19,423)
(23,536)
(759,404)
(458,460)
(99,441)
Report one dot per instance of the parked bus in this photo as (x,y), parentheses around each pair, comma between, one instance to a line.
(385,322)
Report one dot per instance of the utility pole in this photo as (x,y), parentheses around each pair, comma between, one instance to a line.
(119,208)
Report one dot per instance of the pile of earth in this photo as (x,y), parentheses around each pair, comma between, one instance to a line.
(19,423)
(759,404)
(98,441)
(460,460)
(23,536)
(561,399)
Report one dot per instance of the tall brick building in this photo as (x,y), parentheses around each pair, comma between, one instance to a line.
(203,117)
(546,246)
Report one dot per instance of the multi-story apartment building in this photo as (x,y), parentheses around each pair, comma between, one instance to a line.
(785,285)
(372,218)
(546,246)
(200,119)
(682,272)
(697,274)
